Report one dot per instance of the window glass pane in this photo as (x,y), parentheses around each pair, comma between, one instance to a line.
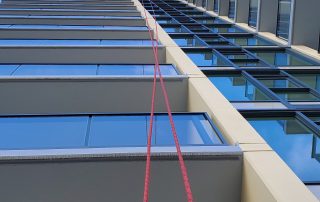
(311,80)
(297,96)
(49,132)
(60,42)
(204,4)
(237,88)
(174,29)
(207,59)
(253,13)
(232,7)
(283,23)
(191,130)
(249,41)
(118,131)
(215,5)
(135,70)
(293,142)
(277,83)
(226,29)
(283,58)
(7,69)
(188,42)
(129,42)
(165,70)
(42,132)
(93,27)
(56,70)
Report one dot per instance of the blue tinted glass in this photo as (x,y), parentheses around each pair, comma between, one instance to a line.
(78,27)
(188,42)
(237,88)
(226,29)
(216,6)
(112,131)
(120,70)
(283,24)
(56,70)
(253,13)
(75,42)
(249,41)
(48,42)
(7,69)
(134,70)
(297,96)
(173,29)
(204,4)
(310,80)
(293,142)
(43,132)
(316,148)
(283,58)
(207,59)
(165,70)
(232,7)
(127,42)
(191,130)
(278,83)
(47,132)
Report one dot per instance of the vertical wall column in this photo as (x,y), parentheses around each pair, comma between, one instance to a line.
(242,11)
(306,25)
(268,16)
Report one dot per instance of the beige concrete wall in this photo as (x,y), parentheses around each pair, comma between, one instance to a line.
(265,176)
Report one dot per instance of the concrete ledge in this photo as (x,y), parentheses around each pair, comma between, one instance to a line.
(267,178)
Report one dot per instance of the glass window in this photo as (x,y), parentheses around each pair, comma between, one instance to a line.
(283,58)
(226,29)
(216,6)
(243,59)
(73,42)
(232,8)
(277,83)
(297,96)
(204,4)
(50,132)
(56,70)
(293,142)
(129,42)
(165,70)
(249,41)
(91,27)
(191,130)
(311,80)
(7,69)
(237,88)
(111,131)
(177,29)
(188,42)
(253,13)
(135,70)
(207,59)
(283,22)
(43,132)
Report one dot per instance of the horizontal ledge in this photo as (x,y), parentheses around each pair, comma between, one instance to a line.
(88,78)
(120,153)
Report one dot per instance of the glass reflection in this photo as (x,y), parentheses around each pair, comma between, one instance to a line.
(293,142)
(51,132)
(237,88)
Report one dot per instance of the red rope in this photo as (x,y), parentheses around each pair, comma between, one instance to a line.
(173,129)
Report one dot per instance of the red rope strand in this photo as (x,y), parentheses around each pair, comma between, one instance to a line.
(173,129)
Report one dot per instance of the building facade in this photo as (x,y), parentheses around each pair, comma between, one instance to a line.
(76,85)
